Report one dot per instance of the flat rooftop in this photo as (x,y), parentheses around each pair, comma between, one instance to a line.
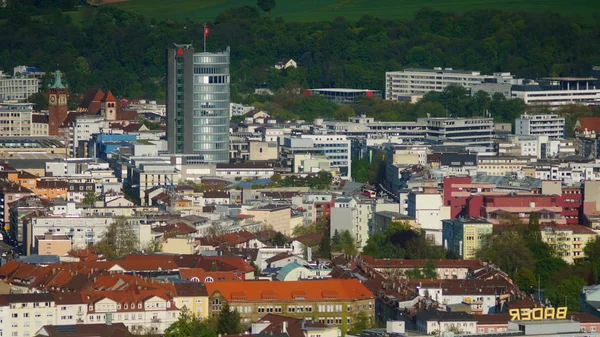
(570,78)
(344,90)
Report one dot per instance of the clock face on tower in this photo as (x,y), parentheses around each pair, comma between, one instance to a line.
(62,100)
(52,99)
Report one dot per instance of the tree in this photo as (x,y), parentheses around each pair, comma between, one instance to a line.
(430,270)
(188,325)
(507,250)
(89,198)
(525,279)
(153,246)
(344,242)
(40,101)
(325,247)
(565,293)
(343,113)
(592,255)
(266,5)
(279,239)
(118,240)
(276,178)
(229,321)
(414,273)
(362,321)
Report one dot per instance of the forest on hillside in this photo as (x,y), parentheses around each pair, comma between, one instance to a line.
(125,52)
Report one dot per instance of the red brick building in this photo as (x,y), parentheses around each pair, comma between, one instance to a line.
(57,108)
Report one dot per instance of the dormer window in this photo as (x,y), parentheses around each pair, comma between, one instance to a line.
(125,306)
(132,305)
(91,307)
(140,305)
(119,306)
(168,304)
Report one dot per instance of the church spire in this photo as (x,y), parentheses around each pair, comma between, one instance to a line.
(57,81)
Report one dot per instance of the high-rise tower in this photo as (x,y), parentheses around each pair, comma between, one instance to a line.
(198,104)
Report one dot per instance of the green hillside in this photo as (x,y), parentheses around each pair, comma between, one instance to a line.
(317,10)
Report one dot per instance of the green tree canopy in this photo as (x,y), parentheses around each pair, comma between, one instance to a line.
(188,325)
(119,239)
(229,321)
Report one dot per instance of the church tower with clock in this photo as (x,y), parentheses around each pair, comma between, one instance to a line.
(57,107)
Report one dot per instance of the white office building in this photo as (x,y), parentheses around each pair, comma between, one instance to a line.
(327,152)
(17,88)
(549,125)
(363,126)
(411,84)
(556,91)
(475,134)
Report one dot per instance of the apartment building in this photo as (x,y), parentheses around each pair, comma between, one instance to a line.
(25,314)
(428,211)
(502,165)
(274,216)
(332,301)
(146,173)
(16,119)
(568,240)
(353,215)
(336,148)
(464,236)
(411,84)
(83,129)
(82,231)
(552,126)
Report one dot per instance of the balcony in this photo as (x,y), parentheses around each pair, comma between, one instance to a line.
(155,320)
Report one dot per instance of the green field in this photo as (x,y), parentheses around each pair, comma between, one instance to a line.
(317,10)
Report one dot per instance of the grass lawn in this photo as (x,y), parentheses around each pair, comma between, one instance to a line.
(317,10)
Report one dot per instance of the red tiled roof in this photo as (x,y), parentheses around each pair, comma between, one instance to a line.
(400,263)
(236,237)
(200,275)
(174,229)
(589,124)
(322,290)
(108,97)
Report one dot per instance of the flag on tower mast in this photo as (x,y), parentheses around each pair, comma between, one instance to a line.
(206,30)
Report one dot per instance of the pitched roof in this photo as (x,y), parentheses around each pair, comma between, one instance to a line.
(295,326)
(401,263)
(444,316)
(189,289)
(85,330)
(322,290)
(200,275)
(108,97)
(91,100)
(588,123)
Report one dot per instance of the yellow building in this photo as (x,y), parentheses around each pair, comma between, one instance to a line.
(464,236)
(568,240)
(331,301)
(277,217)
(193,297)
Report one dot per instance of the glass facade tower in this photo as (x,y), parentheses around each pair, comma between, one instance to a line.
(198,104)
